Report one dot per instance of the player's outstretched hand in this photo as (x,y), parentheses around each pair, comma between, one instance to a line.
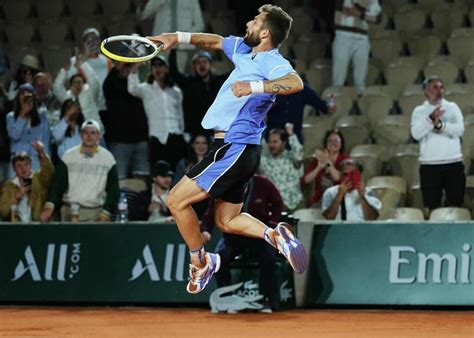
(169,40)
(240,88)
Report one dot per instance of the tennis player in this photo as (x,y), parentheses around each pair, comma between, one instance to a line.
(236,116)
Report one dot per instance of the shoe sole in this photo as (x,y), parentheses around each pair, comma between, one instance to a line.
(297,256)
(216,268)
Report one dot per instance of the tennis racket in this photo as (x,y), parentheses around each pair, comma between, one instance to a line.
(129,48)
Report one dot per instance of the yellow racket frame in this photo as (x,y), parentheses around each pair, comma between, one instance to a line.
(125,58)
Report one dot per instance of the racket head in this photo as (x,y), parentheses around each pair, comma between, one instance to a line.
(129,48)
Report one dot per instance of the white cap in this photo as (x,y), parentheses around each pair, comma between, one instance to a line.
(91,123)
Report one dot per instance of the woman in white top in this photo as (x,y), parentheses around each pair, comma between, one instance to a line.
(66,132)
(163,103)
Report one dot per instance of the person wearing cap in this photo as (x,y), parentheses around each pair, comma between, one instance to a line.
(438,126)
(163,103)
(26,124)
(86,177)
(350,200)
(26,193)
(199,90)
(152,205)
(27,68)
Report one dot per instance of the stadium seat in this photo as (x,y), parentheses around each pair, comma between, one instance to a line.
(375,107)
(133,184)
(308,214)
(426,47)
(125,25)
(429,6)
(355,129)
(468,137)
(391,190)
(409,19)
(461,45)
(302,24)
(54,58)
(115,8)
(413,89)
(415,198)
(386,46)
(309,47)
(461,93)
(404,162)
(314,129)
(444,67)
(371,158)
(408,214)
(49,9)
(392,130)
(17,11)
(345,91)
(319,74)
(55,32)
(469,71)
(403,71)
(407,103)
(450,214)
(385,90)
(447,18)
(82,8)
(20,34)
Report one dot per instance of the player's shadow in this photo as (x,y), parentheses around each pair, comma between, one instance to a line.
(320,285)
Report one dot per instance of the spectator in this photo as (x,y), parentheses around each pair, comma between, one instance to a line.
(438,125)
(262,201)
(350,200)
(83,87)
(100,65)
(284,166)
(28,67)
(47,101)
(25,194)
(199,90)
(323,170)
(163,102)
(171,15)
(4,139)
(127,124)
(26,125)
(152,205)
(290,109)
(351,42)
(66,133)
(85,177)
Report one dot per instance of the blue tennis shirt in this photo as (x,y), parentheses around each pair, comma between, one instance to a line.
(242,117)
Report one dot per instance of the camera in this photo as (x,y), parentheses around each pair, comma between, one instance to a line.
(27,181)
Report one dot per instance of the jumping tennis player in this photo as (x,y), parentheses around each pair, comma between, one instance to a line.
(236,116)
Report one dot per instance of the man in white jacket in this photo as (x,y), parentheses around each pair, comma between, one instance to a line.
(438,126)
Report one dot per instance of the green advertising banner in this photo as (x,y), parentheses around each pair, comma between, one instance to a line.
(392,263)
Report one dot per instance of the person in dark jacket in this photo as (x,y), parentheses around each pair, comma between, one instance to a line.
(199,90)
(126,124)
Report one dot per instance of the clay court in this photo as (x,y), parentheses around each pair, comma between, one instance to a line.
(159,322)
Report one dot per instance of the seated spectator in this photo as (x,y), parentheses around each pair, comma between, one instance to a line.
(85,178)
(284,166)
(47,102)
(263,201)
(66,133)
(323,170)
(127,126)
(163,102)
(25,194)
(25,124)
(152,205)
(27,68)
(83,87)
(350,200)
(199,90)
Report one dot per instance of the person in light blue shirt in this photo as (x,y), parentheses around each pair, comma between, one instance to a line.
(26,125)
(236,116)
(66,133)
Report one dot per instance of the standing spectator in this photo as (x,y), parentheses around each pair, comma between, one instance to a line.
(284,166)
(262,201)
(152,205)
(438,126)
(323,170)
(27,68)
(47,101)
(351,200)
(290,109)
(83,87)
(85,178)
(25,125)
(26,193)
(351,42)
(163,102)
(170,16)
(127,126)
(4,139)
(66,133)
(199,90)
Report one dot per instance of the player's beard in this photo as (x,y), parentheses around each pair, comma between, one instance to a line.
(253,39)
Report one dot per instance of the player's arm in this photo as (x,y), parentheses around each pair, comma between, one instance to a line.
(203,40)
(285,85)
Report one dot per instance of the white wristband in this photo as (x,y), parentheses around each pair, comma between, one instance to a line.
(257,87)
(184,37)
